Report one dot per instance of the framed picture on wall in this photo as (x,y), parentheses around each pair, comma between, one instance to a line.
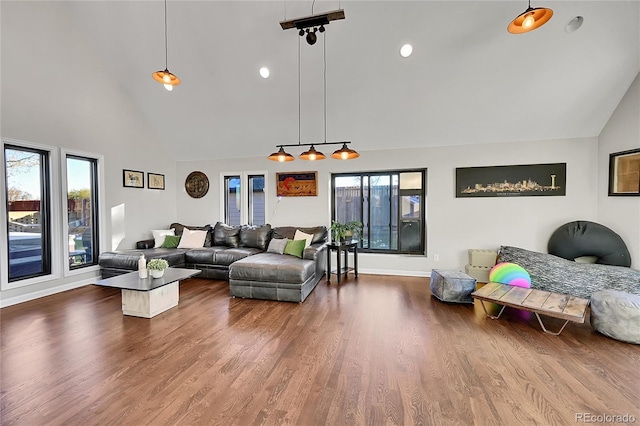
(512,181)
(297,184)
(132,178)
(155,181)
(624,173)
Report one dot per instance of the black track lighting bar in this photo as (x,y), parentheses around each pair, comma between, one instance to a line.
(313,20)
(314,144)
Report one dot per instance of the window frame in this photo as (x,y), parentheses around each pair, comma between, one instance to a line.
(52,192)
(365,201)
(244,194)
(96,208)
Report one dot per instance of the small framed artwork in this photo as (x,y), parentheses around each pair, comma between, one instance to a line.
(132,178)
(297,184)
(624,173)
(155,181)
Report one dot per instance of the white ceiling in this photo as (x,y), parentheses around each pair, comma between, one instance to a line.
(468,81)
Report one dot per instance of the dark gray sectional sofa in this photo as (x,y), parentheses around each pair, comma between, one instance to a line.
(239,255)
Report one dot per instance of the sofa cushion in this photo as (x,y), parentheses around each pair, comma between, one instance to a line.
(171,241)
(271,267)
(299,235)
(192,239)
(277,245)
(319,232)
(295,248)
(203,255)
(159,234)
(179,228)
(228,256)
(226,235)
(255,236)
(128,259)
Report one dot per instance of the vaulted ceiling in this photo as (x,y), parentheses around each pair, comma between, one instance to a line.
(468,80)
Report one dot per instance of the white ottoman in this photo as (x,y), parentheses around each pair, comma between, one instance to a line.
(616,314)
(452,286)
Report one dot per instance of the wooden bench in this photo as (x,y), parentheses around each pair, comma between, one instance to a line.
(555,305)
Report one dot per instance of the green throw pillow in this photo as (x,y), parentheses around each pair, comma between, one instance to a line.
(295,248)
(171,241)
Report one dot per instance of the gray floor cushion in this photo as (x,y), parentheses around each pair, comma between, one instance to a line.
(616,314)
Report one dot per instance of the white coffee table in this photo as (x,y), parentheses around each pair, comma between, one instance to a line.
(149,297)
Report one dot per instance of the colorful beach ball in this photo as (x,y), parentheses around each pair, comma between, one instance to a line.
(510,273)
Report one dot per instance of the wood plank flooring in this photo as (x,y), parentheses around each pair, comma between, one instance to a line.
(378,350)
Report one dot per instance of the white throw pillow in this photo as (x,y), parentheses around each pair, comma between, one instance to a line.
(299,235)
(192,239)
(159,234)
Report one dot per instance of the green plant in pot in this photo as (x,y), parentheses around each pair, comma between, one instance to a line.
(345,231)
(156,267)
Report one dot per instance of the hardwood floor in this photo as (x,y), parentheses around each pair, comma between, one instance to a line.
(373,351)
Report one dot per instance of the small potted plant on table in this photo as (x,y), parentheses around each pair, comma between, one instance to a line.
(156,267)
(341,232)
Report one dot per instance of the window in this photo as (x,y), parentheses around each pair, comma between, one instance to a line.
(28,212)
(256,200)
(390,205)
(244,199)
(82,211)
(232,200)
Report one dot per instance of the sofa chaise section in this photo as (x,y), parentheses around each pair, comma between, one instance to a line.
(279,277)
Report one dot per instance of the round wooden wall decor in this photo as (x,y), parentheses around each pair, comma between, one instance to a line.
(197,184)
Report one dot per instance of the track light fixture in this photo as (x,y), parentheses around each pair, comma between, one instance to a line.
(304,26)
(530,19)
(317,22)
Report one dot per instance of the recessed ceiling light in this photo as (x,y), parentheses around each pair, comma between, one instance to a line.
(574,24)
(264,72)
(406,50)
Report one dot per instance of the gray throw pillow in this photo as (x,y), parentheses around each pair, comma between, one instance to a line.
(277,245)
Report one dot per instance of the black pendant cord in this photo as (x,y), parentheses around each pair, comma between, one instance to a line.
(166,43)
(324,87)
(299,91)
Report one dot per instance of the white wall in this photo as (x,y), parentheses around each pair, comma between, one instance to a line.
(453,224)
(67,100)
(622,133)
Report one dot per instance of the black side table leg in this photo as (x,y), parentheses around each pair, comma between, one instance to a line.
(339,264)
(328,266)
(355,261)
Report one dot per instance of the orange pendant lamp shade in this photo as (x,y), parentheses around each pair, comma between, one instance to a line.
(529,20)
(165,77)
(312,155)
(345,153)
(281,156)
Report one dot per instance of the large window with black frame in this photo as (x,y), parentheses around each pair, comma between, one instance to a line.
(28,207)
(390,205)
(82,211)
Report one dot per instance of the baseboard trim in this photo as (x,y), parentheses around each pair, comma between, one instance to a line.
(400,273)
(46,292)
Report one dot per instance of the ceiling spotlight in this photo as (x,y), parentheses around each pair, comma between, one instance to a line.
(311,37)
(406,50)
(301,32)
(264,72)
(574,24)
(321,28)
